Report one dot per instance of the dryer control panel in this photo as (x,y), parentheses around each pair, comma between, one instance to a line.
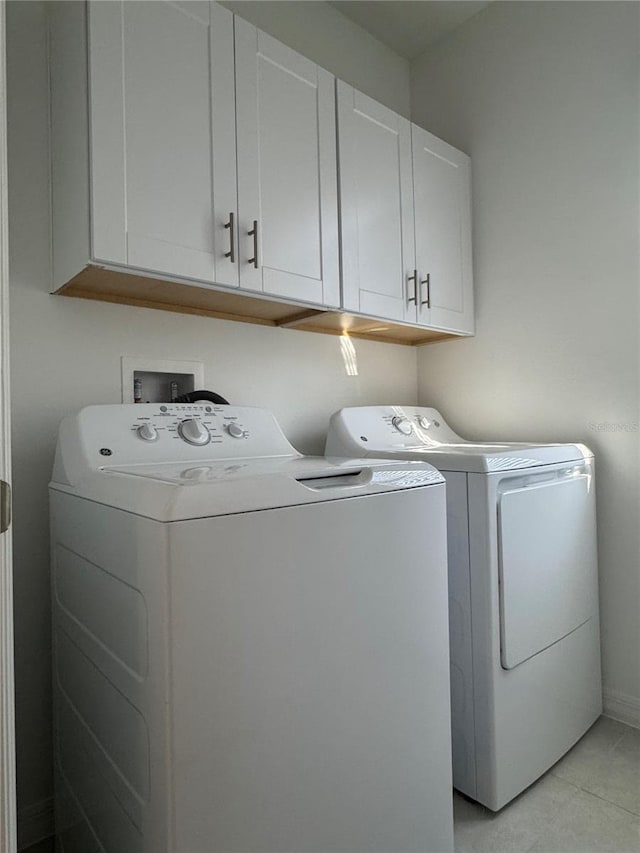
(419,432)
(369,428)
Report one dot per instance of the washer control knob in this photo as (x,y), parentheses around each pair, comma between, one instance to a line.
(235,430)
(193,432)
(402,425)
(424,422)
(147,432)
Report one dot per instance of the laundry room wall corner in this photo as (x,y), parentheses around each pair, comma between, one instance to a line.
(545,96)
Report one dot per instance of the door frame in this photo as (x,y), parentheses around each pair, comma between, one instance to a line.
(8,830)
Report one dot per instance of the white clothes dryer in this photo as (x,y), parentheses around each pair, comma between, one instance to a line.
(523,591)
(251,646)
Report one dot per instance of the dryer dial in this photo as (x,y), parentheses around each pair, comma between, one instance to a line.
(402,425)
(194,432)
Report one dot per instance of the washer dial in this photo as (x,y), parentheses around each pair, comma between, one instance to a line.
(235,430)
(147,432)
(194,432)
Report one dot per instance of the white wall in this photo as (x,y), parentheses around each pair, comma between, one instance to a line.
(66,354)
(323,34)
(544,96)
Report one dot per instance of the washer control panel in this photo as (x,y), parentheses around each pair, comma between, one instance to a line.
(132,434)
(197,424)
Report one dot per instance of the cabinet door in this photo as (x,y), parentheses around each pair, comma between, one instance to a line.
(376,206)
(287,182)
(163,137)
(442,178)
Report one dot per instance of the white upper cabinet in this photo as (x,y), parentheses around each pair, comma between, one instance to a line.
(173,190)
(189,147)
(376,204)
(406,225)
(163,137)
(441,185)
(287,180)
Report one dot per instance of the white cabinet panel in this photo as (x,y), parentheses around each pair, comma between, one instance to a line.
(441,177)
(287,180)
(161,89)
(405,212)
(108,186)
(376,198)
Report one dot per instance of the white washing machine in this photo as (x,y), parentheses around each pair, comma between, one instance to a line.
(251,646)
(523,591)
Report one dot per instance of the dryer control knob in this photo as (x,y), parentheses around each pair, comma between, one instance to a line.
(194,432)
(402,425)
(147,432)
(424,422)
(235,431)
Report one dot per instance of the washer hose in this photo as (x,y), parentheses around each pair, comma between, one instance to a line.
(209,396)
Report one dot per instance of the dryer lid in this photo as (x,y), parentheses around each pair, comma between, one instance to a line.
(421,433)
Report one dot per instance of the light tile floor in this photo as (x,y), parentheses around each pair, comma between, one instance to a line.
(589,802)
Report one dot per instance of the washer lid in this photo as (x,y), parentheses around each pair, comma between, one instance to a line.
(178,491)
(421,433)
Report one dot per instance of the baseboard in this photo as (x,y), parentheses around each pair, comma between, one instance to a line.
(35,823)
(619,706)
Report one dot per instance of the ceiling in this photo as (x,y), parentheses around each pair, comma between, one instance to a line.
(409,28)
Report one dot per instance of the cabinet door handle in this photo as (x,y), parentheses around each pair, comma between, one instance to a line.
(5,506)
(254,233)
(414,279)
(427,281)
(231,254)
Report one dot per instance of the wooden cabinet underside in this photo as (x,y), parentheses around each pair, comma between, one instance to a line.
(105,285)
